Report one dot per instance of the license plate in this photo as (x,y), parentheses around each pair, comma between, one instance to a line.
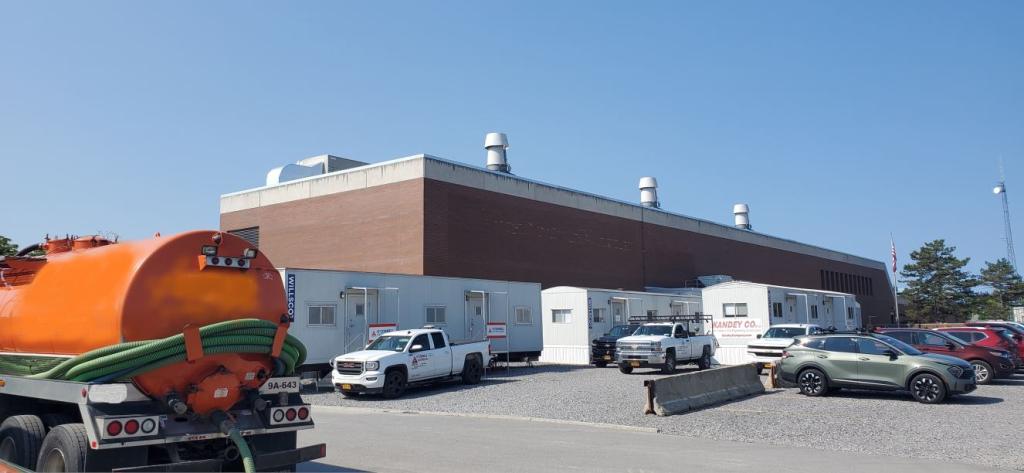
(346,386)
(635,364)
(607,357)
(280,385)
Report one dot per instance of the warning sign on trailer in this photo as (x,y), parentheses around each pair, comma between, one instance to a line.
(496,330)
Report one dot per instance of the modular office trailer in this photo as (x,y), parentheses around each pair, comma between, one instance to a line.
(337,312)
(574,316)
(743,310)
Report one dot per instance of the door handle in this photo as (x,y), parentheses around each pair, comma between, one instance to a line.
(864,358)
(822,356)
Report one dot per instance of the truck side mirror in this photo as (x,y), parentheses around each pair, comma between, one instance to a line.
(415,348)
(758,335)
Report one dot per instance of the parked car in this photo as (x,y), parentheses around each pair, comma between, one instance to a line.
(397,359)
(991,337)
(820,364)
(602,349)
(989,363)
(1016,330)
(768,347)
(664,345)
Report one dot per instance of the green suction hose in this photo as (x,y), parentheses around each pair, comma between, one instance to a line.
(124,360)
(243,450)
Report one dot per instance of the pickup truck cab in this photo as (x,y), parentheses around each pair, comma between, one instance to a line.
(397,359)
(768,347)
(664,345)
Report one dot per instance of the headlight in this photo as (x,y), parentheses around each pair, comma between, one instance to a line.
(956,371)
(656,347)
(372,365)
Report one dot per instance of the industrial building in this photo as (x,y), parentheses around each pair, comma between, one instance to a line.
(337,312)
(424,215)
(574,316)
(741,311)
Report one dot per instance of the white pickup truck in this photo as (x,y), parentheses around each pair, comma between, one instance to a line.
(397,359)
(768,347)
(665,344)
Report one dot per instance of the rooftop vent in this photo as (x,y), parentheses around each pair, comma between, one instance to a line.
(496,144)
(649,192)
(742,214)
(309,167)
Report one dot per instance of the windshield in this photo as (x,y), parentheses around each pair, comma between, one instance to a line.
(784,332)
(621,330)
(665,330)
(390,343)
(903,347)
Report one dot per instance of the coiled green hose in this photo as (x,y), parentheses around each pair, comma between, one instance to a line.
(125,360)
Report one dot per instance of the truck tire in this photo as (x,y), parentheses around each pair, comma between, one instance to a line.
(704,362)
(472,371)
(394,384)
(670,363)
(625,369)
(64,449)
(20,438)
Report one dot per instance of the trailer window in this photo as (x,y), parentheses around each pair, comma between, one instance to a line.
(814,311)
(321,315)
(561,316)
(734,310)
(776,309)
(849,313)
(599,316)
(436,315)
(524,316)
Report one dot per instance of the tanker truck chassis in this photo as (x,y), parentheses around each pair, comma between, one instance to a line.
(114,427)
(53,425)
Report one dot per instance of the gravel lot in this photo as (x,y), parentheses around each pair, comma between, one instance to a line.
(985,427)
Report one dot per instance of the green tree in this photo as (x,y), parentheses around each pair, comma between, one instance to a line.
(7,248)
(1007,290)
(938,288)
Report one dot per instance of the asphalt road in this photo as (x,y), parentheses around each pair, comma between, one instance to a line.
(373,440)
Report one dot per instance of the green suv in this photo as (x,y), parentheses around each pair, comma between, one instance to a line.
(819,364)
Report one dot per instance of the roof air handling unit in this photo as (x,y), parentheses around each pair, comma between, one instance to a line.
(496,144)
(742,214)
(649,192)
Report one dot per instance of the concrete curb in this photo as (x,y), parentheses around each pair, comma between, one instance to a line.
(380,410)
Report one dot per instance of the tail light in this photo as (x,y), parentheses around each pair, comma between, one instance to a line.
(289,415)
(126,427)
(303,413)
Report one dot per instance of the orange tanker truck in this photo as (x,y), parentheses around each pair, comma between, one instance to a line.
(166,354)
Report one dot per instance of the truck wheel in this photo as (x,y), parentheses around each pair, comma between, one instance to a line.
(704,362)
(625,369)
(20,438)
(394,384)
(982,372)
(670,363)
(472,372)
(928,389)
(64,449)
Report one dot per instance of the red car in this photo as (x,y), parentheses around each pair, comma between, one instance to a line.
(1016,329)
(989,363)
(992,337)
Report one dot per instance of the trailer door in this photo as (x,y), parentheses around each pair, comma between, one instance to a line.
(476,325)
(618,312)
(359,307)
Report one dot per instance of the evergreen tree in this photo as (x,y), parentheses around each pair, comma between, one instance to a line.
(1007,290)
(938,288)
(7,248)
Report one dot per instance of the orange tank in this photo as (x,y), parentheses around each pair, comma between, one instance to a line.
(96,294)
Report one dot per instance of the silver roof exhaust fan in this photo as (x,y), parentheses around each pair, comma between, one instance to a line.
(649,192)
(742,214)
(496,144)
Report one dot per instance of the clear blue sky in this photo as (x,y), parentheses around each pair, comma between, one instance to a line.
(838,122)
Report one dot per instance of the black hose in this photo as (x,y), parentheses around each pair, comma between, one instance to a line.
(28,249)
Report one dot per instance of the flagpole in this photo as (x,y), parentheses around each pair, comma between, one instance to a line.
(895,282)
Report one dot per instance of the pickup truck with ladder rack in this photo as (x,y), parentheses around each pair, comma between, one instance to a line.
(665,341)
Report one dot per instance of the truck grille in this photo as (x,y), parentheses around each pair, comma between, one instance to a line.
(605,345)
(349,367)
(769,352)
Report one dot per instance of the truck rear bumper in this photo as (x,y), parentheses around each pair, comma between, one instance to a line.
(265,461)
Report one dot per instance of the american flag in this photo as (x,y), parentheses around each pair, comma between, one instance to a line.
(893,252)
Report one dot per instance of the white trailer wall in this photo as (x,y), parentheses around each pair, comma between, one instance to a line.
(574,316)
(333,309)
(766,305)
